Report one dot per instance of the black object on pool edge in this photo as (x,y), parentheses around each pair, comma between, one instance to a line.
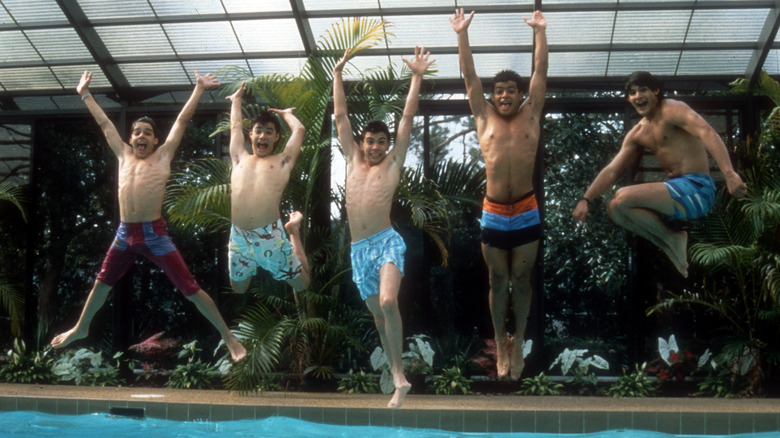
(135,413)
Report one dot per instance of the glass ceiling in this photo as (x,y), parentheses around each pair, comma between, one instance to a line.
(144,49)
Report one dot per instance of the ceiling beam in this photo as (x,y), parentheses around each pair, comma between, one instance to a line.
(304,29)
(102,56)
(764,44)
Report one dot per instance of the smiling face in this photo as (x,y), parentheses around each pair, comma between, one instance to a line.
(374,146)
(643,98)
(142,139)
(506,98)
(263,138)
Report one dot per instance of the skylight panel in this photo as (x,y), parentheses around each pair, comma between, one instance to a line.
(271,35)
(147,40)
(28,78)
(189,7)
(582,64)
(102,9)
(239,6)
(16,48)
(725,25)
(709,62)
(324,5)
(487,65)
(643,27)
(58,44)
(26,11)
(498,30)
(261,67)
(656,62)
(577,28)
(407,30)
(155,73)
(772,63)
(206,37)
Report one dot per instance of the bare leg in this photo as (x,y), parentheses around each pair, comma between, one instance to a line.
(523,258)
(293,227)
(95,300)
(206,306)
(390,327)
(497,261)
(635,208)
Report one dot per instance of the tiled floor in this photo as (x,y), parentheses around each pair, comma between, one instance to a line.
(691,416)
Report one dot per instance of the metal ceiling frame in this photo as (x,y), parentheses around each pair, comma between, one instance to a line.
(122,91)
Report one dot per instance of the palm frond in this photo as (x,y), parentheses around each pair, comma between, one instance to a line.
(13,193)
(428,209)
(12,301)
(198,197)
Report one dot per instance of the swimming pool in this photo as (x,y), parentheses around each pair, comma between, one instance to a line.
(36,424)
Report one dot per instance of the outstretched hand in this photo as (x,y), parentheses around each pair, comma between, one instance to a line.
(459,21)
(83,86)
(537,21)
(207,81)
(238,93)
(342,62)
(420,63)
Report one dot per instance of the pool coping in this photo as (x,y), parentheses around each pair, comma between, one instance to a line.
(473,413)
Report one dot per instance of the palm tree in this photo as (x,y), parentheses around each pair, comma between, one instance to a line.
(317,324)
(11,292)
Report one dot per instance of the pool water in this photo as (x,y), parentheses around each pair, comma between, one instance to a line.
(37,424)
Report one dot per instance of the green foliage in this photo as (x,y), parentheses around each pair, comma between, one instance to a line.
(635,384)
(359,383)
(451,381)
(194,373)
(585,266)
(86,367)
(721,383)
(11,290)
(540,384)
(24,367)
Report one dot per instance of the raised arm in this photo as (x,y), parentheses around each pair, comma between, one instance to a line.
(237,140)
(403,137)
(460,24)
(538,84)
(180,125)
(629,151)
(293,147)
(109,130)
(691,121)
(343,127)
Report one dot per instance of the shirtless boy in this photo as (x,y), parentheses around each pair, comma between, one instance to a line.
(256,185)
(373,175)
(144,169)
(508,135)
(680,139)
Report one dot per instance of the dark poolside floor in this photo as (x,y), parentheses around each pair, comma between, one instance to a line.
(472,413)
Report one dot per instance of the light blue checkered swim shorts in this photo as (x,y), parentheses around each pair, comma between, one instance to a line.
(693,195)
(370,254)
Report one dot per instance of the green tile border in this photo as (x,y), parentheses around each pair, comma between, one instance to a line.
(456,420)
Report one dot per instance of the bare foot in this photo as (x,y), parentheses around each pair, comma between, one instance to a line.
(678,252)
(65,338)
(293,225)
(503,344)
(517,362)
(398,396)
(237,351)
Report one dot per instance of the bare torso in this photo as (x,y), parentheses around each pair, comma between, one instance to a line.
(678,151)
(370,191)
(142,186)
(509,149)
(256,186)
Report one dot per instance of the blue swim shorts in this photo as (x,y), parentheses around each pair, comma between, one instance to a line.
(266,247)
(693,195)
(370,254)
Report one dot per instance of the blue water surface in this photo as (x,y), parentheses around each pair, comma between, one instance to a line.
(37,424)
